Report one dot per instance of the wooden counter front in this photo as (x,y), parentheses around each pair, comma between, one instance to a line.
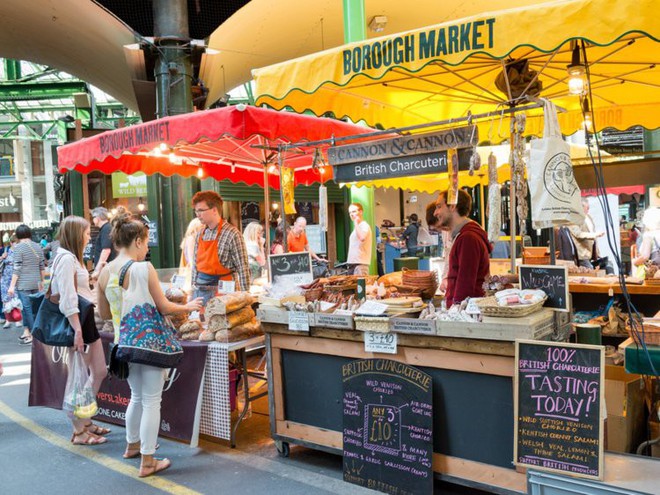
(472,398)
(651,290)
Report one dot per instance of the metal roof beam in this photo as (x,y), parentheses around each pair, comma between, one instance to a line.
(41,91)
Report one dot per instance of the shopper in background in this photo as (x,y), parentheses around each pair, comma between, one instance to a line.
(410,235)
(7,271)
(469,257)
(69,280)
(445,240)
(104,252)
(277,247)
(28,276)
(584,237)
(117,303)
(220,252)
(254,243)
(650,247)
(359,242)
(380,247)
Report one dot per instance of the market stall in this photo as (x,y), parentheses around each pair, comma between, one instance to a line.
(241,144)
(460,70)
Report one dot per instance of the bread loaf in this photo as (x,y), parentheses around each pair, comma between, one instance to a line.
(191,326)
(228,303)
(176,295)
(223,322)
(240,332)
(194,335)
(207,336)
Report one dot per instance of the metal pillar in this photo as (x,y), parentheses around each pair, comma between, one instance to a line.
(173,73)
(355,29)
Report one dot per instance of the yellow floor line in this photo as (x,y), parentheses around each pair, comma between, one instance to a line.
(94,456)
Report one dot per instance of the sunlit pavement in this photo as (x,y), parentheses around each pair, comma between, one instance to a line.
(36,454)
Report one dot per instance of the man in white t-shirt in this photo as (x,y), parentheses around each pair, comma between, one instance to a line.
(359,243)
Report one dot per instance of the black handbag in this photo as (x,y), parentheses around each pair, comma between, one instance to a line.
(116,367)
(51,327)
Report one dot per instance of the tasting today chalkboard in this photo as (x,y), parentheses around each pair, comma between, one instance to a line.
(551,279)
(387,426)
(296,267)
(558,405)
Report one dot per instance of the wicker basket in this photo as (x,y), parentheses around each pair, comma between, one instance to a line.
(372,324)
(489,307)
(426,281)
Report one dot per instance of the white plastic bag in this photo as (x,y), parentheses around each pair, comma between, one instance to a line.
(79,395)
(555,195)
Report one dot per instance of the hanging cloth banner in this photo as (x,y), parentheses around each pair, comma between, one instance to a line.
(323,208)
(555,195)
(287,190)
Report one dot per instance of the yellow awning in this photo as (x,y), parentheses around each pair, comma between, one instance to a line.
(449,69)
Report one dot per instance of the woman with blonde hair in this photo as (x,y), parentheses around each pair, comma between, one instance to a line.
(254,242)
(130,294)
(650,247)
(70,279)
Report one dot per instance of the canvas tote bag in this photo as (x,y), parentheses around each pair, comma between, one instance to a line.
(554,192)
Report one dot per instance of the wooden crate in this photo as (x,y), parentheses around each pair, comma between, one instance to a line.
(537,326)
(273,314)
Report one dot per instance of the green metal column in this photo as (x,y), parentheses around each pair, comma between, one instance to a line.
(355,29)
(173,73)
(12,69)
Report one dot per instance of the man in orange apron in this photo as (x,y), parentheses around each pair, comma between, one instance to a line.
(220,252)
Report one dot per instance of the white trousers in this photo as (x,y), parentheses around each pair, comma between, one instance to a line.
(143,412)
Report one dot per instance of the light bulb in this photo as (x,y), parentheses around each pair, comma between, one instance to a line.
(200,173)
(576,85)
(275,206)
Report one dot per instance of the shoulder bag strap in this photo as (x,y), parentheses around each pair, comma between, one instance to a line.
(123,271)
(50,285)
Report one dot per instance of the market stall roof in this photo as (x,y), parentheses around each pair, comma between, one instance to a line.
(450,69)
(234,143)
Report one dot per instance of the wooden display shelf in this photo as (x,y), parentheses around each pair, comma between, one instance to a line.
(651,290)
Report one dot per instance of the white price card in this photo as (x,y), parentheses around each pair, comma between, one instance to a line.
(380,342)
(372,308)
(299,321)
(226,286)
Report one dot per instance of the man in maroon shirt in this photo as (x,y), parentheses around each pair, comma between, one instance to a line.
(469,258)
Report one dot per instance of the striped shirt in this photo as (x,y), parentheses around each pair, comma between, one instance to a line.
(29,262)
(232,253)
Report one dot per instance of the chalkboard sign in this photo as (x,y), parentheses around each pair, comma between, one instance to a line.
(553,280)
(152,241)
(296,267)
(558,404)
(387,426)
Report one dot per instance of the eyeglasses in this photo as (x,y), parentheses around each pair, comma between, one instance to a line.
(199,211)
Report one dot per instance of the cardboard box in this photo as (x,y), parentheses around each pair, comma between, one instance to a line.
(624,399)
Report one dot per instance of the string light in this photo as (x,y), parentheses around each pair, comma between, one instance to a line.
(200,173)
(577,83)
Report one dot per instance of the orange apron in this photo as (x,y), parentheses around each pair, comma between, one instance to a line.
(207,260)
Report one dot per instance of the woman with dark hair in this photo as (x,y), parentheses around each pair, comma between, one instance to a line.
(7,271)
(128,284)
(277,247)
(28,276)
(69,280)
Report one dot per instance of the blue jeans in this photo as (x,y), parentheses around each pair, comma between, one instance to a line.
(28,317)
(205,286)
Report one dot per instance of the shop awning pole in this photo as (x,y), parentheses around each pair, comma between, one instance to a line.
(512,197)
(267,208)
(280,165)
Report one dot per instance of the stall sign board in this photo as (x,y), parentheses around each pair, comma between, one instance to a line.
(316,238)
(295,267)
(558,407)
(387,426)
(551,279)
(381,342)
(298,321)
(413,326)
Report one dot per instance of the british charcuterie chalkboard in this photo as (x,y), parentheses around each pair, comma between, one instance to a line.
(388,426)
(551,279)
(296,267)
(558,404)
(250,212)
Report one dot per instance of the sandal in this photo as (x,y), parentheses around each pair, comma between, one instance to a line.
(96,429)
(133,452)
(90,440)
(157,466)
